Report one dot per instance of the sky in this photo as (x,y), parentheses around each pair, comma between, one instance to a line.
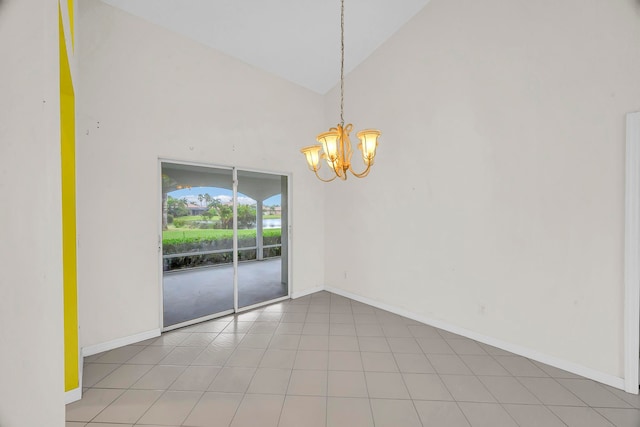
(222,194)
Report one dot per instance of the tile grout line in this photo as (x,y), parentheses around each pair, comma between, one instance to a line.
(440,379)
(404,382)
(164,392)
(485,387)
(244,394)
(284,401)
(124,390)
(517,379)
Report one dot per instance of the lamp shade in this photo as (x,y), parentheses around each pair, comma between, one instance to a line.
(368,144)
(312,154)
(331,144)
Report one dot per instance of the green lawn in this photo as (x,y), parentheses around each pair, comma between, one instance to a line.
(216,217)
(195,218)
(177,234)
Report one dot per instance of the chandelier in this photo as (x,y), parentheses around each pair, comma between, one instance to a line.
(335,144)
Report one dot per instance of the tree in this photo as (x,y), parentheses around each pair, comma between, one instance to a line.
(177,207)
(246,216)
(214,203)
(226,216)
(168,184)
(207,215)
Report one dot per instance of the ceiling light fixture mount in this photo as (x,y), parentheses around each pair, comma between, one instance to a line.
(335,144)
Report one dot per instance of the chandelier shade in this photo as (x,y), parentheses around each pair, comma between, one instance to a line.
(334,146)
(368,144)
(330,144)
(312,154)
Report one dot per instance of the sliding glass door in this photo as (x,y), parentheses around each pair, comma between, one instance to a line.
(262,274)
(224,246)
(197,242)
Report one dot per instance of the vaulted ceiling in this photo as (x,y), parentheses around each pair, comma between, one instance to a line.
(298,40)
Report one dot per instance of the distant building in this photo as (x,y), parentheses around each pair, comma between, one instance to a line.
(195,209)
(272,210)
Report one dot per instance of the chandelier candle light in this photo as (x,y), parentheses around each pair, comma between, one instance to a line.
(335,144)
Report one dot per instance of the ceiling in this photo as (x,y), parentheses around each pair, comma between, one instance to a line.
(298,40)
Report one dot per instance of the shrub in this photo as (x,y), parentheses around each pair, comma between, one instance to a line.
(194,241)
(272,252)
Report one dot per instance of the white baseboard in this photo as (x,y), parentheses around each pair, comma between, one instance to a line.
(306,292)
(73,395)
(120,342)
(574,368)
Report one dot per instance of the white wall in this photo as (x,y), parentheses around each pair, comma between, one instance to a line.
(496,204)
(31,335)
(146,93)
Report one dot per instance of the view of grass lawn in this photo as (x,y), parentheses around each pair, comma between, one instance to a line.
(189,218)
(192,218)
(198,225)
(180,235)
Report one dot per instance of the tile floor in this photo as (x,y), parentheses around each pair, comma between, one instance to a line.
(325,360)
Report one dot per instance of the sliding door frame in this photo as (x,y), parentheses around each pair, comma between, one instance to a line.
(160,270)
(288,236)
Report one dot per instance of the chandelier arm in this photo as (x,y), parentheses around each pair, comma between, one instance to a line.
(361,174)
(322,179)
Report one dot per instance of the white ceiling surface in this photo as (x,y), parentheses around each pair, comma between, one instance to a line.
(298,40)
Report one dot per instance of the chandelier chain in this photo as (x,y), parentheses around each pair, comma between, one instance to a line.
(335,146)
(342,63)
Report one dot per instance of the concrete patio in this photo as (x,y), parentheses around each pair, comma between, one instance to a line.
(191,294)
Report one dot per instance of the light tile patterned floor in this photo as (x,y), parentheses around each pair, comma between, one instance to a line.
(325,360)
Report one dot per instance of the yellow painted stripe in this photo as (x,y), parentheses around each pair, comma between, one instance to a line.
(71,26)
(67,151)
